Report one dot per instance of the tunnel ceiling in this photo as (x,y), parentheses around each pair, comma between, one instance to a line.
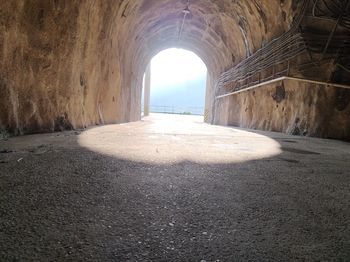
(221,32)
(75,63)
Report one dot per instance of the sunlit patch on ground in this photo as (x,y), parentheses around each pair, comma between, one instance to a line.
(165,139)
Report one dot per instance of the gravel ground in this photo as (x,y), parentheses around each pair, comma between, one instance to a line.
(63,199)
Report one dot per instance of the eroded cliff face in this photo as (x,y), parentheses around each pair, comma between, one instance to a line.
(71,64)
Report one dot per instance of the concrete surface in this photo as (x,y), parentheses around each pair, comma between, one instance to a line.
(170,188)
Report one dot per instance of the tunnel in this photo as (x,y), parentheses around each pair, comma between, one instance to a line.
(71,65)
(84,177)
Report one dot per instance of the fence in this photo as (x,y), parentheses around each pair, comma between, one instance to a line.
(185,110)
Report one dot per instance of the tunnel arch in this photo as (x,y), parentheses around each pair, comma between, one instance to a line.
(82,62)
(220,32)
(73,64)
(153,55)
(187,56)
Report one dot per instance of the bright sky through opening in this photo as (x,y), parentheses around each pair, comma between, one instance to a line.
(176,66)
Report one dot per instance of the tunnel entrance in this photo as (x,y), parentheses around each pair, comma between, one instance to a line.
(174,83)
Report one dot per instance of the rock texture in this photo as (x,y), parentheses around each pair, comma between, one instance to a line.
(70,64)
(315,49)
(290,106)
(58,70)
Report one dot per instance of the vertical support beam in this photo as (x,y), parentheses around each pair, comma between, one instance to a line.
(209,101)
(147,91)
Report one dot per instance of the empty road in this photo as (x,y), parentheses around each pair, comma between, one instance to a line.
(171,188)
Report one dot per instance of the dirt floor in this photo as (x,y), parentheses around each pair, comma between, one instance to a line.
(171,188)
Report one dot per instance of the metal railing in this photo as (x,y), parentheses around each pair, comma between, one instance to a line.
(184,110)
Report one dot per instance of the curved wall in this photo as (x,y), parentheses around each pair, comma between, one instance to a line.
(71,64)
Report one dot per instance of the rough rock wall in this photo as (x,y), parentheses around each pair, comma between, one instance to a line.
(221,32)
(57,69)
(73,63)
(292,107)
(316,48)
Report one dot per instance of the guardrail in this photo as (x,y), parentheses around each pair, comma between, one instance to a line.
(184,110)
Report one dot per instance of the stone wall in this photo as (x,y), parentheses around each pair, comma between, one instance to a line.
(57,69)
(71,64)
(74,63)
(290,106)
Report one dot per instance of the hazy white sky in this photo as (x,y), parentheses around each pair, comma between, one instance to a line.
(176,66)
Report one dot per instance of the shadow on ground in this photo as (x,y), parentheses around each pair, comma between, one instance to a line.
(71,203)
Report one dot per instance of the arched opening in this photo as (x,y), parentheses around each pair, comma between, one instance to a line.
(174,82)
